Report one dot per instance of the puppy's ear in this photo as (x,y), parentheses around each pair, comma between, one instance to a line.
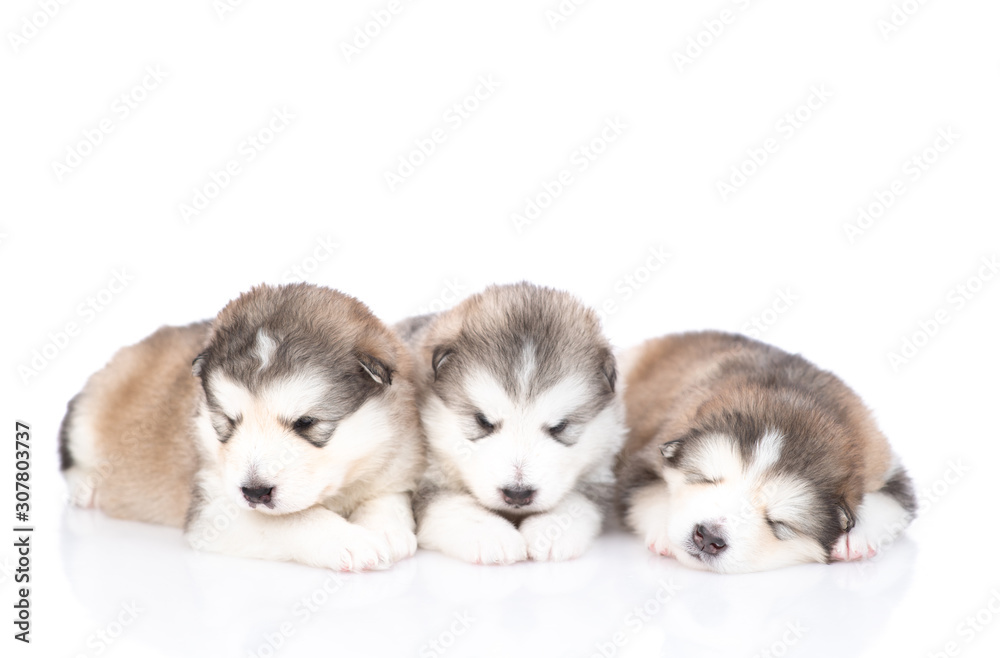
(670,448)
(377,369)
(438,358)
(198,364)
(847,517)
(610,369)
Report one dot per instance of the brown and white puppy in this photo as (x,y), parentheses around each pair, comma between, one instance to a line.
(519,406)
(741,457)
(295,437)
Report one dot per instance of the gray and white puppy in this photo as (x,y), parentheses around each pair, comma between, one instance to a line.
(742,457)
(294,438)
(518,402)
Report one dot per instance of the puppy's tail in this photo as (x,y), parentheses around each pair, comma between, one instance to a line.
(65,454)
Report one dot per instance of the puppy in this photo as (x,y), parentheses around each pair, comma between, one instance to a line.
(294,438)
(517,399)
(741,457)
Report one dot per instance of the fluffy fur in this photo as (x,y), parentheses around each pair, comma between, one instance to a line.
(741,457)
(293,436)
(517,398)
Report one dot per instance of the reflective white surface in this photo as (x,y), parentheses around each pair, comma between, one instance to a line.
(618,599)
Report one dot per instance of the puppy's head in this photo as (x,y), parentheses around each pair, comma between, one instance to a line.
(521,396)
(744,495)
(296,381)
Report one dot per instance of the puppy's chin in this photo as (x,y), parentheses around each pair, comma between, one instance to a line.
(690,561)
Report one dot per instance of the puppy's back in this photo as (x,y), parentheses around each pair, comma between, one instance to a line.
(126,439)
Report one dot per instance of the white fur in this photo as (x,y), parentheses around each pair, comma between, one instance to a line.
(264,349)
(521,452)
(879,520)
(457,525)
(565,532)
(561,523)
(303,525)
(738,500)
(89,468)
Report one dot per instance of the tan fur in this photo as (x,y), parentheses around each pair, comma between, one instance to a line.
(132,431)
(139,409)
(675,378)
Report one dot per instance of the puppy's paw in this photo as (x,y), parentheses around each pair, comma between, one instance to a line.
(854,545)
(402,543)
(490,541)
(555,537)
(659,544)
(880,519)
(360,549)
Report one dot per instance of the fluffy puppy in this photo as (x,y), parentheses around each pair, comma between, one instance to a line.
(294,435)
(517,399)
(741,457)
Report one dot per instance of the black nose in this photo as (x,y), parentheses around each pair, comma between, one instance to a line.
(707,539)
(517,497)
(257,494)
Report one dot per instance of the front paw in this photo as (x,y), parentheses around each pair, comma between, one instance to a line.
(360,549)
(854,545)
(659,543)
(551,538)
(489,541)
(402,543)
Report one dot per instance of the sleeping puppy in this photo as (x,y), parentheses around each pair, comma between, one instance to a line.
(518,403)
(294,438)
(741,457)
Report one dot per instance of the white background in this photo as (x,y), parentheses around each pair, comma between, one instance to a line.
(448,225)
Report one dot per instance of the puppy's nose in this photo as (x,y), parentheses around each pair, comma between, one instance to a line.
(518,497)
(257,494)
(708,539)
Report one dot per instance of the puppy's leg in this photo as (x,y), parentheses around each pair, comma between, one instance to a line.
(565,531)
(880,518)
(392,517)
(457,525)
(315,536)
(647,514)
